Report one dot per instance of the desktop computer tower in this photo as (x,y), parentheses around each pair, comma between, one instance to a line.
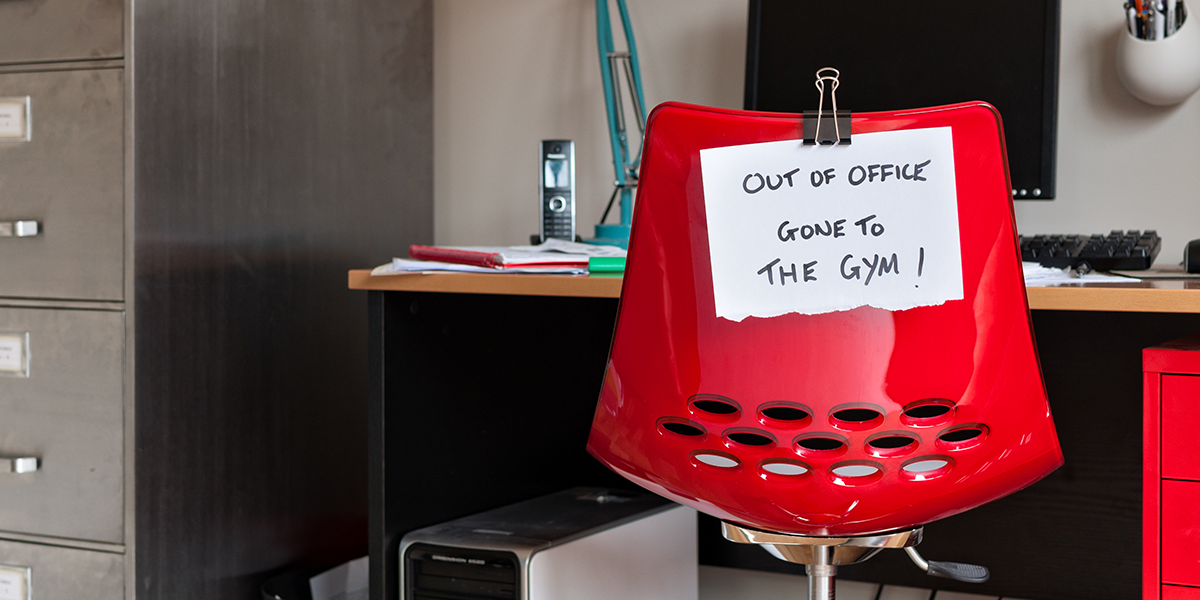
(578,544)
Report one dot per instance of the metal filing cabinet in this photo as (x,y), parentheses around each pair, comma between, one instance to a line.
(33,31)
(183,186)
(62,317)
(68,177)
(67,415)
(64,573)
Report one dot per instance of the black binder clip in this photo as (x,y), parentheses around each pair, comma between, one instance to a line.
(827,129)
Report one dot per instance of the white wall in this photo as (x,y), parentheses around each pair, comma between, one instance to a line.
(508,73)
(1121,163)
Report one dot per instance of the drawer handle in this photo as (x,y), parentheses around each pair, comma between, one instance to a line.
(24,464)
(18,228)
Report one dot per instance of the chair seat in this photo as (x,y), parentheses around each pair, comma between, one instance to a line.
(849,422)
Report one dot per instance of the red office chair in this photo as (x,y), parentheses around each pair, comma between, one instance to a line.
(823,437)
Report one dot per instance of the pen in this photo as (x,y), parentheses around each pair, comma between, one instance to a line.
(1160,19)
(1144,19)
(1148,21)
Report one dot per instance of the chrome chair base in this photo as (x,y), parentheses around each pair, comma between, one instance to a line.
(821,556)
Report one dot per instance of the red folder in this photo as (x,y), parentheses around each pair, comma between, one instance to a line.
(492,260)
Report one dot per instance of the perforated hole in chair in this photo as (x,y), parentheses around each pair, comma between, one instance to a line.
(962,437)
(926,467)
(856,417)
(820,445)
(785,415)
(856,472)
(715,459)
(758,440)
(891,444)
(784,470)
(930,412)
(681,427)
(715,407)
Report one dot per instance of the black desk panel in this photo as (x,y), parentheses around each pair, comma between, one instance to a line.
(477,401)
(481,400)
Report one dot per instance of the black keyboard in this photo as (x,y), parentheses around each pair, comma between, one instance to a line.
(1130,250)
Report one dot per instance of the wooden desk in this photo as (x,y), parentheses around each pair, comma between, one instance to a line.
(483,387)
(505,284)
(1160,296)
(1157,296)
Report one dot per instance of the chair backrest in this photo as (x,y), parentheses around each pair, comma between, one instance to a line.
(839,423)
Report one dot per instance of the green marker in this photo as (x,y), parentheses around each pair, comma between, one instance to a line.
(606,265)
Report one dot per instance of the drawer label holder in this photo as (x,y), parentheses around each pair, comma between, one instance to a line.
(14,355)
(14,583)
(14,119)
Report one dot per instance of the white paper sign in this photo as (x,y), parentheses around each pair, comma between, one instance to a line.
(818,229)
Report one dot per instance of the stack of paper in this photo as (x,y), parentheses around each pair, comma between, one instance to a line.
(551,256)
(1038,276)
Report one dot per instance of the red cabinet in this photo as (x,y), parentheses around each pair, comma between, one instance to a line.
(1180,532)
(1174,592)
(1171,471)
(1181,427)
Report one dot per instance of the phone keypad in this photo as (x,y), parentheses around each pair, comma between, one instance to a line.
(556,218)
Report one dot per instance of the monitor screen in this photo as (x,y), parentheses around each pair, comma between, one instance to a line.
(895,55)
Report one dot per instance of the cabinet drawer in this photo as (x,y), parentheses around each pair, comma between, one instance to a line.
(69,177)
(57,573)
(45,30)
(68,414)
(1181,532)
(1174,592)
(1181,427)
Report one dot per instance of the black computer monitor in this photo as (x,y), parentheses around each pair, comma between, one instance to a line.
(895,55)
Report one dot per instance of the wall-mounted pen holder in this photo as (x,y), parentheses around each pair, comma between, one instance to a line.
(1162,72)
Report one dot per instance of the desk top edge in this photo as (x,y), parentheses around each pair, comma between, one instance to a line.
(1164,296)
(1157,296)
(483,283)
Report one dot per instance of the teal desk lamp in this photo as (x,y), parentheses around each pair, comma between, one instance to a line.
(625,162)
